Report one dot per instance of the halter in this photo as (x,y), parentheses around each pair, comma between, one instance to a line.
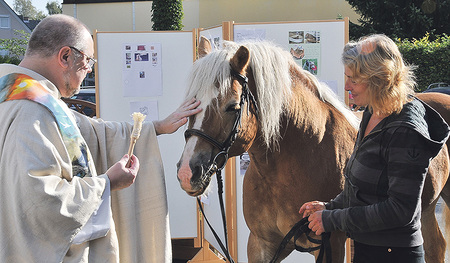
(224,148)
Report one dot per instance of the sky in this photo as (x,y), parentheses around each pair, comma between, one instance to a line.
(39,4)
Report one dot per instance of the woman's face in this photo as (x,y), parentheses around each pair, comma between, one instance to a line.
(357,89)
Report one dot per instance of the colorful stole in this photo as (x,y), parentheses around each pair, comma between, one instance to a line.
(17,86)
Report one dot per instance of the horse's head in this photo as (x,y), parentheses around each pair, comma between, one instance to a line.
(227,125)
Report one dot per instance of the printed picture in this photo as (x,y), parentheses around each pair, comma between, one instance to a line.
(298,52)
(310,65)
(141,57)
(312,37)
(296,37)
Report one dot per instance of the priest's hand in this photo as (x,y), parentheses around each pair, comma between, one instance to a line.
(121,176)
(178,118)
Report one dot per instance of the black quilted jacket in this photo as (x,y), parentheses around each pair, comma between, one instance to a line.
(381,201)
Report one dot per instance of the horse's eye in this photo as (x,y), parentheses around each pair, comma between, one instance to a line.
(233,107)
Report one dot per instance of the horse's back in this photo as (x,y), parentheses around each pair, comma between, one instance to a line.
(438,101)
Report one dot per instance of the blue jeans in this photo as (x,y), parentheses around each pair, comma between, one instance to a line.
(368,254)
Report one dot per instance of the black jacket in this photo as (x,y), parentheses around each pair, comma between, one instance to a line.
(381,201)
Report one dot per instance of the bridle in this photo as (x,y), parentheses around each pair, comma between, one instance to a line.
(224,148)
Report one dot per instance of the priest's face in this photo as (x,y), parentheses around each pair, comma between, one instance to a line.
(82,64)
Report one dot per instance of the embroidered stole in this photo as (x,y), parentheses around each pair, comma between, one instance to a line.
(17,86)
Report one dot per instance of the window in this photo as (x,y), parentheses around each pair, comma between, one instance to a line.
(4,21)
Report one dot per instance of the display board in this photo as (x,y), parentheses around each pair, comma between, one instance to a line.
(315,45)
(162,61)
(324,48)
(148,70)
(319,42)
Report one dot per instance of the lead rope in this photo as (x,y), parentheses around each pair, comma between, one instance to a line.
(224,221)
(301,227)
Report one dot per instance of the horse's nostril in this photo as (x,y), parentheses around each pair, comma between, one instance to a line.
(197,171)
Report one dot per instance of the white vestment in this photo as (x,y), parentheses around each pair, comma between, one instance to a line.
(43,206)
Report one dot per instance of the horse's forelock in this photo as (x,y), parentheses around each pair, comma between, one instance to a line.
(207,74)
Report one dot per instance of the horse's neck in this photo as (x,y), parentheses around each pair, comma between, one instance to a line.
(310,128)
(307,114)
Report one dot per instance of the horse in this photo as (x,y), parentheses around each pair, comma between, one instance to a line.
(298,135)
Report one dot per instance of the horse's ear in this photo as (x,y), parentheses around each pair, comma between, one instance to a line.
(204,47)
(240,60)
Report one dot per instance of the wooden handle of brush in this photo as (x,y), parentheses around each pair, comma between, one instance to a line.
(130,151)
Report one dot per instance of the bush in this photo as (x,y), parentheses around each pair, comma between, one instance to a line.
(431,58)
(9,60)
(167,15)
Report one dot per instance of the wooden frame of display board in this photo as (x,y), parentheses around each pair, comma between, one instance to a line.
(185,44)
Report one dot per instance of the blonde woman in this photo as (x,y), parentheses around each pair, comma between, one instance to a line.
(380,205)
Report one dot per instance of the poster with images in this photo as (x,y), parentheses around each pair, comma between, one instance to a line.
(304,47)
(142,70)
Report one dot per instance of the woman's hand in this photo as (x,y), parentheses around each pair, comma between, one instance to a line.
(311,207)
(315,223)
(314,211)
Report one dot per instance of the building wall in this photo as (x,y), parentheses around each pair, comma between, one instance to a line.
(15,22)
(112,16)
(239,11)
(136,16)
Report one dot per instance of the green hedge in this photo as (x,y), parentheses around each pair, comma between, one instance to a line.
(9,60)
(432,59)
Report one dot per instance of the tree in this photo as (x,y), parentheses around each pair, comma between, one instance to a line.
(167,14)
(401,18)
(53,7)
(15,46)
(26,9)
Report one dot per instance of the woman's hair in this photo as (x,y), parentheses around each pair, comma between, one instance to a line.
(376,61)
(55,32)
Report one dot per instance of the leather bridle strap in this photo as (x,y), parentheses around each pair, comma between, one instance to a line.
(199,133)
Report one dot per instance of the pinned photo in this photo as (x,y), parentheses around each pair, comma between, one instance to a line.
(296,37)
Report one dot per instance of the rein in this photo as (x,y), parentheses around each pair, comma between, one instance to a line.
(301,227)
(224,148)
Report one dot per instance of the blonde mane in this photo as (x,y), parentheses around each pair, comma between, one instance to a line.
(271,72)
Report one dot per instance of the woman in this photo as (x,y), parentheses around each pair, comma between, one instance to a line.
(380,206)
